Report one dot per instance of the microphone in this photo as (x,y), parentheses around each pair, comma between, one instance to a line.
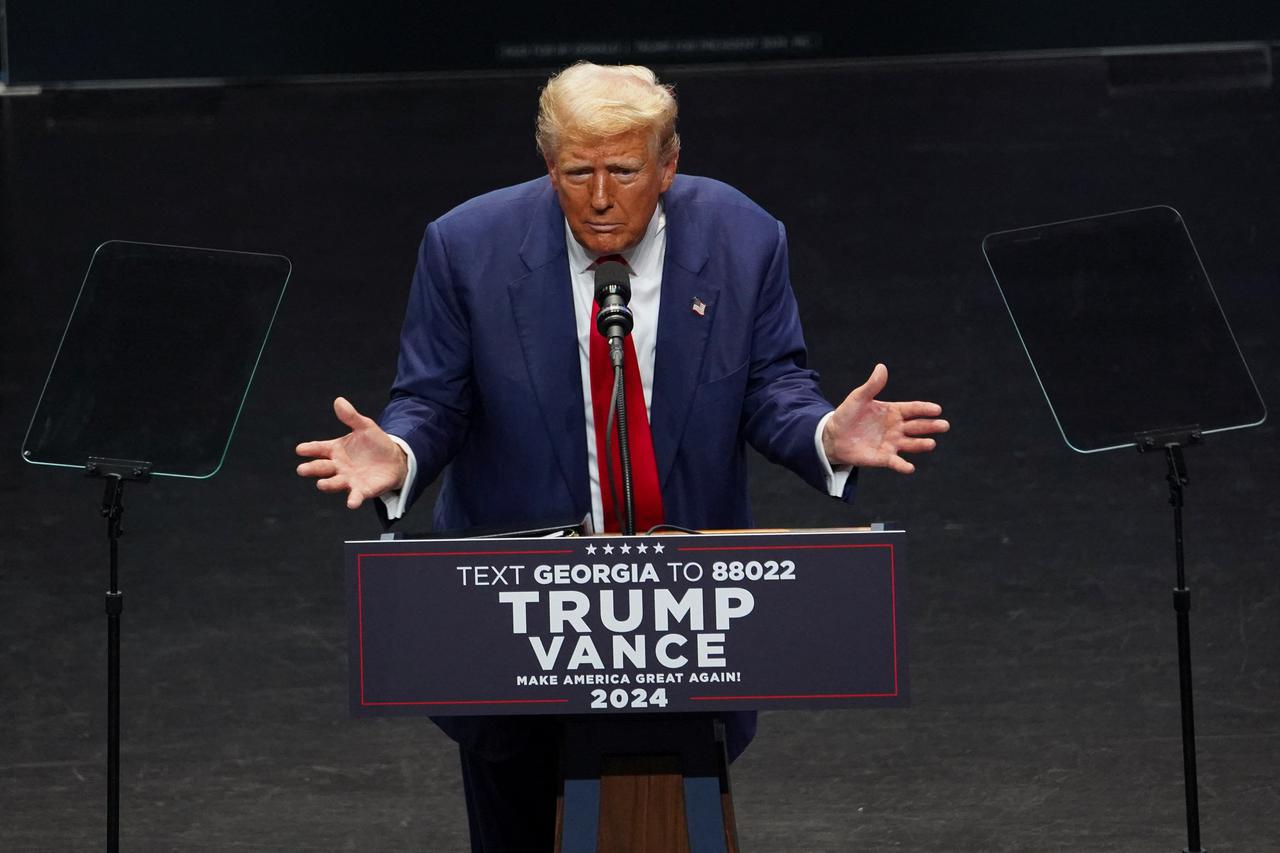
(614,320)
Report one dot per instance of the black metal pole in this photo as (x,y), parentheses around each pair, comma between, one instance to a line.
(112,510)
(1177,478)
(624,452)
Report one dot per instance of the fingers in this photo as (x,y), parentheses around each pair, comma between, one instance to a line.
(902,466)
(918,409)
(320,449)
(925,427)
(336,483)
(916,445)
(324,449)
(336,476)
(340,483)
(874,385)
(348,415)
(318,468)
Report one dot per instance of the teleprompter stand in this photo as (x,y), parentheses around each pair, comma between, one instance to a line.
(155,364)
(1172,443)
(1131,348)
(115,472)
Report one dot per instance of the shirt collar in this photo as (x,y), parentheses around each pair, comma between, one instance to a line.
(643,258)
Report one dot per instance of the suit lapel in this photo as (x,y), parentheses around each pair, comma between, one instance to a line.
(682,333)
(542,306)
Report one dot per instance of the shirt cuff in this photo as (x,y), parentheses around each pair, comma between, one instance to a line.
(395,502)
(836,477)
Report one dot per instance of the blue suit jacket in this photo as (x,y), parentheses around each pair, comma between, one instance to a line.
(489,391)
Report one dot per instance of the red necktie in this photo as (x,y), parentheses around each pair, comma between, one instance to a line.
(646,496)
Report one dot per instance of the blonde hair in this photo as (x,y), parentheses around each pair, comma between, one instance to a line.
(587,102)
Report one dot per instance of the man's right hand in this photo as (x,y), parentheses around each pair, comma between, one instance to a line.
(364,463)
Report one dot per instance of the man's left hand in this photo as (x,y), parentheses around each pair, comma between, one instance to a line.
(867,432)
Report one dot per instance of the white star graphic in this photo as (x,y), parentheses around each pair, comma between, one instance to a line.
(642,548)
(591,549)
(608,549)
(657,548)
(626,549)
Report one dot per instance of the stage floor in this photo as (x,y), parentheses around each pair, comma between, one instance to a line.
(1045,697)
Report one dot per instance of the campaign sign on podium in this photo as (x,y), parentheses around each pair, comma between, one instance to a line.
(579,625)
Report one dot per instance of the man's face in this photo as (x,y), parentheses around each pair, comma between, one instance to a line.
(609,188)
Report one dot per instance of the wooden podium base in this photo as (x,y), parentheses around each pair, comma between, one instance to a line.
(651,784)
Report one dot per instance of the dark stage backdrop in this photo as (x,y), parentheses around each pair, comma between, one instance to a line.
(58,41)
(1045,710)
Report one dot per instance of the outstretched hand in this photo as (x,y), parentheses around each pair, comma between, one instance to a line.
(364,463)
(868,432)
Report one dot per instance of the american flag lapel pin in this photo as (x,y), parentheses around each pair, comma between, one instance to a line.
(698,307)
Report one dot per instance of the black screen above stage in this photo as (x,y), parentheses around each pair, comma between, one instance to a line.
(63,41)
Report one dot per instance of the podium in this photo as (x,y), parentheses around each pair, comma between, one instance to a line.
(636,643)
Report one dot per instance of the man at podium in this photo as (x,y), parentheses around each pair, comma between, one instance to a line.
(503,380)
